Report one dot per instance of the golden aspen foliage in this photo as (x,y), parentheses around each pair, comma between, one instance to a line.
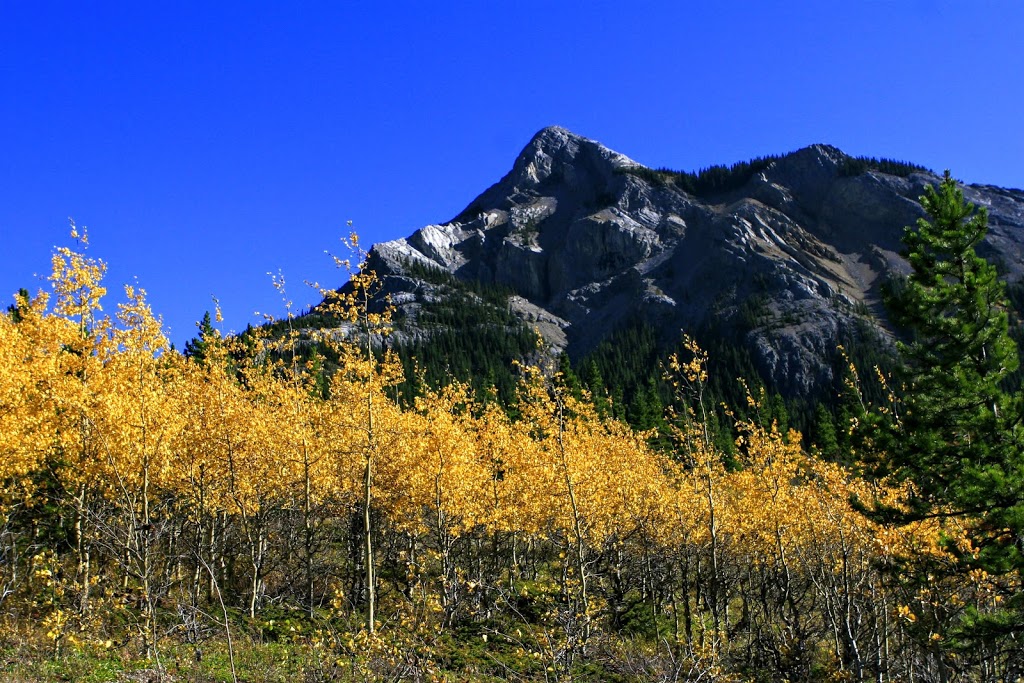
(143,487)
(305,419)
(555,464)
(699,470)
(75,341)
(504,458)
(77,282)
(503,486)
(766,489)
(29,365)
(589,474)
(251,455)
(369,422)
(444,481)
(365,422)
(195,453)
(135,429)
(216,420)
(704,517)
(140,417)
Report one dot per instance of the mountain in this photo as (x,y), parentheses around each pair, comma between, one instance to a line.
(784,257)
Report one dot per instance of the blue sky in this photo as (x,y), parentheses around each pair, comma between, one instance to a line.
(207,144)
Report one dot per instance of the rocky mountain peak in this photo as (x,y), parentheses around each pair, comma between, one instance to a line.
(786,262)
(556,153)
(557,164)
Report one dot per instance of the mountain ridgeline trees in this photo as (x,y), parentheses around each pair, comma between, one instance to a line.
(719,178)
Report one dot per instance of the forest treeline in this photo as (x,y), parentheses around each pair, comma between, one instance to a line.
(159,505)
(719,178)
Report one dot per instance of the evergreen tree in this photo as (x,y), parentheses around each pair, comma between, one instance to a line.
(570,380)
(823,433)
(959,435)
(196,348)
(17,309)
(594,381)
(646,410)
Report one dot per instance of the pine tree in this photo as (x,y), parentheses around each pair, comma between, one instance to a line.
(196,348)
(959,435)
(21,302)
(824,433)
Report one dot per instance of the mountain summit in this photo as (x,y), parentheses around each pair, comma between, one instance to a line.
(785,256)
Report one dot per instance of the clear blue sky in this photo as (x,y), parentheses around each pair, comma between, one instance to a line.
(205,144)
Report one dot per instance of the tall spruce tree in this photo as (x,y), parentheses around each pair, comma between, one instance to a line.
(196,348)
(960,434)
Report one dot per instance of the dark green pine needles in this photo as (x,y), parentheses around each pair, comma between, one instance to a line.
(959,438)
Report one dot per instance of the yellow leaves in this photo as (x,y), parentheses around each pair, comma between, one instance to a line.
(57,623)
(338,599)
(693,371)
(977,576)
(591,478)
(77,282)
(445,479)
(904,612)
(23,401)
(780,508)
(136,422)
(141,331)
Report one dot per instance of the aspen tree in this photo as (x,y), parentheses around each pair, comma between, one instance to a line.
(548,410)
(302,420)
(78,290)
(696,450)
(259,477)
(462,484)
(362,375)
(136,431)
(29,344)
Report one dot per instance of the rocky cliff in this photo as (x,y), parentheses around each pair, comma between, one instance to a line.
(788,258)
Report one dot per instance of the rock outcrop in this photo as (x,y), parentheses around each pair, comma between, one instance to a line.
(589,239)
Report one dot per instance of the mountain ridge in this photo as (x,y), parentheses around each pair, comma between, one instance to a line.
(588,239)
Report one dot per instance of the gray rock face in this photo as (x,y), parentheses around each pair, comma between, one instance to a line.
(587,242)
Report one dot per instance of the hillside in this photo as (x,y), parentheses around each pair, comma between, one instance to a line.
(781,258)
